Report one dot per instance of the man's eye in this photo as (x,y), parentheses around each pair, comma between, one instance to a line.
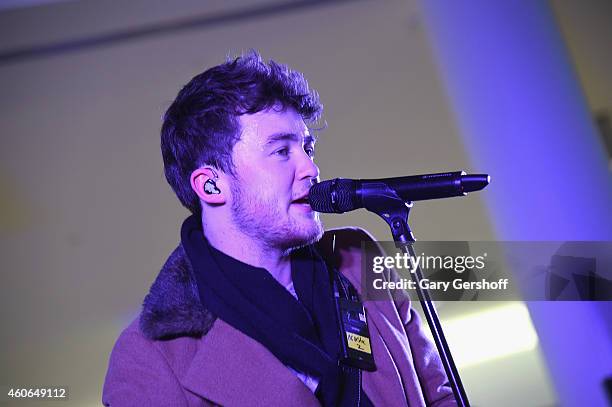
(310,151)
(283,151)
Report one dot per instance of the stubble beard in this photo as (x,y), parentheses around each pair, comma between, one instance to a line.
(263,221)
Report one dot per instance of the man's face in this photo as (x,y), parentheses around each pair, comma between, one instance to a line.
(274,171)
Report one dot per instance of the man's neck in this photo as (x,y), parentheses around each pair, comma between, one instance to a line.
(251,251)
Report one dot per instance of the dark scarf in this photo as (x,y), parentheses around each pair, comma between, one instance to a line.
(302,334)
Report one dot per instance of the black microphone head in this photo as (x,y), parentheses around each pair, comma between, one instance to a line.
(333,196)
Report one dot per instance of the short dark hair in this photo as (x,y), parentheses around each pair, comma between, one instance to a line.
(201,126)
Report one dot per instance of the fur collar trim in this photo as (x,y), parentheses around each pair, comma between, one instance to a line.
(173,308)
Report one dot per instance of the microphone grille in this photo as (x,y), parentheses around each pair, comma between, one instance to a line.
(334,196)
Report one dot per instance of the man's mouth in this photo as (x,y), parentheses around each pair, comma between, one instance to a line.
(302,204)
(303,200)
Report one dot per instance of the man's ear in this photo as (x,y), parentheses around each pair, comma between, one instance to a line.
(208,185)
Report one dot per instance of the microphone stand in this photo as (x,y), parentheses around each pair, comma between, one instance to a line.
(395,212)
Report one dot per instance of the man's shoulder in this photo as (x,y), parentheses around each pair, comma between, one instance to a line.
(342,249)
(138,363)
(132,340)
(339,242)
(347,236)
(128,352)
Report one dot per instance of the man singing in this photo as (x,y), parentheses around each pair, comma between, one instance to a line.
(248,309)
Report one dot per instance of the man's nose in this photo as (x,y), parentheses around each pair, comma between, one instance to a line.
(308,168)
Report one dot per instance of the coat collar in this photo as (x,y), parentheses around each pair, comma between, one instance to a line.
(173,308)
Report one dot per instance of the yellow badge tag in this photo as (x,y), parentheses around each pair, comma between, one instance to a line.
(358,342)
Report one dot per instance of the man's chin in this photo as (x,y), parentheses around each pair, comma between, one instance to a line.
(307,237)
(317,235)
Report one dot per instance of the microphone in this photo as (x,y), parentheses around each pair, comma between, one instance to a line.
(342,195)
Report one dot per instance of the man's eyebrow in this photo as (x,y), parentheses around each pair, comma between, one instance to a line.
(273,138)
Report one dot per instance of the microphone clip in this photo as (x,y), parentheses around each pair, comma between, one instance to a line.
(379,198)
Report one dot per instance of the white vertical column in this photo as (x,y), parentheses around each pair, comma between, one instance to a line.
(524,120)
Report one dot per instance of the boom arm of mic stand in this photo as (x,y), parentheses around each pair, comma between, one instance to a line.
(395,212)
